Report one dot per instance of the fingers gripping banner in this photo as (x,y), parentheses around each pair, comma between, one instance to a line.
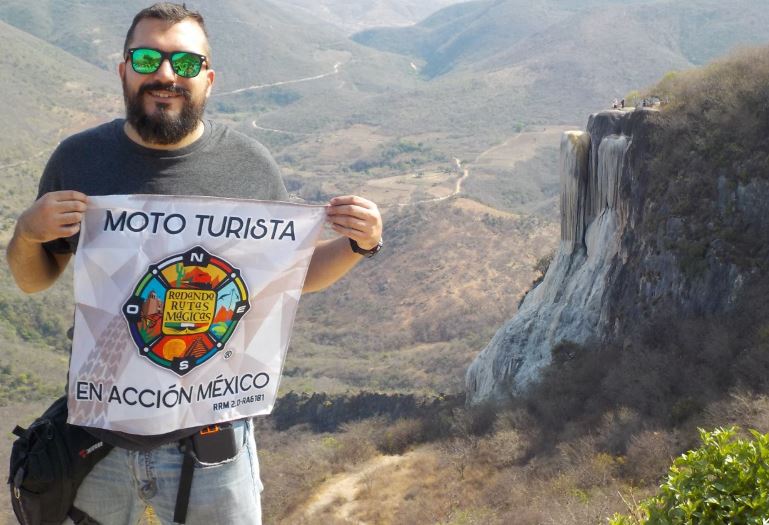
(184,307)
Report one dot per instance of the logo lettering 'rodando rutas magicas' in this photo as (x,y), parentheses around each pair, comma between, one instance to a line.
(185,308)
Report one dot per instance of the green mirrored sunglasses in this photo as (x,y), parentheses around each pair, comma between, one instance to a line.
(145,60)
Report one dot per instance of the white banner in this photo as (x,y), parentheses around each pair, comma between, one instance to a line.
(184,307)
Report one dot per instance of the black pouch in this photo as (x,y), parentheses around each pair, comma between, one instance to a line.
(49,460)
(215,443)
(212,444)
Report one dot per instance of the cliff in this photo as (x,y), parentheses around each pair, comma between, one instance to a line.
(661,214)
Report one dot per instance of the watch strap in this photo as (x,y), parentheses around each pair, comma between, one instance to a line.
(366,253)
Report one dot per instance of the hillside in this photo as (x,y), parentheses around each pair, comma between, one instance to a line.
(669,237)
(555,61)
(491,469)
(38,116)
(484,32)
(464,32)
(356,16)
(504,64)
(437,313)
(268,44)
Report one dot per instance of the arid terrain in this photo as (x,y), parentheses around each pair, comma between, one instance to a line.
(452,123)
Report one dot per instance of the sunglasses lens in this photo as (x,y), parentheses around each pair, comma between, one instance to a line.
(146,61)
(186,64)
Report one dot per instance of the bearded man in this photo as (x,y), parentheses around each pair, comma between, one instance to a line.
(164,146)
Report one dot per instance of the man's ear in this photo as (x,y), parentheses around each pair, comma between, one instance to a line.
(210,76)
(121,70)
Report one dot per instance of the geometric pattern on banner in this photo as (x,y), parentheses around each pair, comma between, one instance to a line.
(185,308)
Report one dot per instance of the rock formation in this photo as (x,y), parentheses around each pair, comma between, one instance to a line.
(620,257)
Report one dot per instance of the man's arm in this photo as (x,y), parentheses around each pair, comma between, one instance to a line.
(54,215)
(354,218)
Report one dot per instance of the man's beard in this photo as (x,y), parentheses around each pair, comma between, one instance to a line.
(161,127)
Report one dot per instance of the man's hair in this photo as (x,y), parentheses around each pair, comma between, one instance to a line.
(168,12)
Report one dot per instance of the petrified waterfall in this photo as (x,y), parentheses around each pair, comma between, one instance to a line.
(574,172)
(569,303)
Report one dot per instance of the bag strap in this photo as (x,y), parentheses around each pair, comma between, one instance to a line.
(80,517)
(18,431)
(185,482)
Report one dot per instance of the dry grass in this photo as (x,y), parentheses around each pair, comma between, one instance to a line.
(498,478)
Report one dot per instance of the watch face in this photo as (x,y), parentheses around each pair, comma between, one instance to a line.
(373,251)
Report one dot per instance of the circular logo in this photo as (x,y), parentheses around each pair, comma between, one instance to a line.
(185,308)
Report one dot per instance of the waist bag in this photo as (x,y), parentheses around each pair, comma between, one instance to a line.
(49,460)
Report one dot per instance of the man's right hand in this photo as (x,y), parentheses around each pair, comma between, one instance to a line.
(54,215)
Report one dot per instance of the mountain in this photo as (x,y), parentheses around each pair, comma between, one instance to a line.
(474,69)
(463,32)
(489,34)
(253,42)
(466,33)
(223,315)
(362,14)
(491,63)
(664,237)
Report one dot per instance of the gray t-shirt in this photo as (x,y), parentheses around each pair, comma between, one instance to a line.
(104,161)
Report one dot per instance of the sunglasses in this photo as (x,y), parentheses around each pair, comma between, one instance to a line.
(145,60)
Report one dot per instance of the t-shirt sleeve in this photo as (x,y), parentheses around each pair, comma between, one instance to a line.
(51,181)
(272,176)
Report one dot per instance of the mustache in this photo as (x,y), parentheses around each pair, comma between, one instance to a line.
(172,88)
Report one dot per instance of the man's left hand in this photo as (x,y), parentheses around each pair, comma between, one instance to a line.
(356,218)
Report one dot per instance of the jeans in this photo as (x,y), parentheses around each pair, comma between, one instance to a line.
(121,486)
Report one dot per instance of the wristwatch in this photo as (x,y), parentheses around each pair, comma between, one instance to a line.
(366,253)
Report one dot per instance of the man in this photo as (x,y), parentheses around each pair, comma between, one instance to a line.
(164,147)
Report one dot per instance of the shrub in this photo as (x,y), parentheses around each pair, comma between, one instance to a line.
(740,408)
(617,429)
(459,453)
(503,449)
(399,436)
(354,443)
(648,454)
(475,420)
(726,480)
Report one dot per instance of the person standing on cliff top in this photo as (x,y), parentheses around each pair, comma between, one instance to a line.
(164,146)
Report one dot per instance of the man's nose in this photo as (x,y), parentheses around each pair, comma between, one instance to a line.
(165,71)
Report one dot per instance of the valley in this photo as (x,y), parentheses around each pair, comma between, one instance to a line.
(450,119)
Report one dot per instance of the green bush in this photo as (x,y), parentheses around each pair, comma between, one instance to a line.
(726,480)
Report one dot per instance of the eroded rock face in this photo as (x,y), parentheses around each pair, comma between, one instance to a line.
(614,265)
